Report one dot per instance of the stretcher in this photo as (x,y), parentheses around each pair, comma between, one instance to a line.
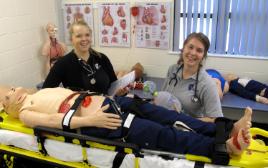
(65,149)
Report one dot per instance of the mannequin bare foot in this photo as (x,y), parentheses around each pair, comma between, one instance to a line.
(261,99)
(243,123)
(239,142)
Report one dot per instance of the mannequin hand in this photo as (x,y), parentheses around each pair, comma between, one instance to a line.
(122,91)
(105,120)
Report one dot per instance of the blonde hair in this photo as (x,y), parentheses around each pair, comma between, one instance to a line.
(82,23)
(50,25)
(9,108)
(79,23)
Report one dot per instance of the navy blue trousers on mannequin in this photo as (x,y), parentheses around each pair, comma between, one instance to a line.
(155,130)
(257,87)
(250,91)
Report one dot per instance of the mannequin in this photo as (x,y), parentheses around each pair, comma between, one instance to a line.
(152,127)
(139,72)
(247,88)
(52,48)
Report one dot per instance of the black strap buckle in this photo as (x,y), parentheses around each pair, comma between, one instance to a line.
(116,107)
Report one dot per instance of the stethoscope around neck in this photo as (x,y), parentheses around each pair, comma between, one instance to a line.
(90,70)
(194,98)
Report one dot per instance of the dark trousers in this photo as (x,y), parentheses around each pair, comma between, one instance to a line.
(155,130)
(257,87)
(250,91)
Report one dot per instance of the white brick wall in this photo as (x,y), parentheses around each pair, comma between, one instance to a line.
(21,36)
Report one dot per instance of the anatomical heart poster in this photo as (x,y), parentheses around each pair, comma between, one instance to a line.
(76,12)
(153,25)
(114,27)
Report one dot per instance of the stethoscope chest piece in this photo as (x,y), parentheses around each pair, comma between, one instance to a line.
(195,99)
(93,81)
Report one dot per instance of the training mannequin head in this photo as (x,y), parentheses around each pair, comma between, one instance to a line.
(138,68)
(3,91)
(51,30)
(13,100)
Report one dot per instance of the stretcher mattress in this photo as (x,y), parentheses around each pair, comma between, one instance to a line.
(63,151)
(97,157)
(18,140)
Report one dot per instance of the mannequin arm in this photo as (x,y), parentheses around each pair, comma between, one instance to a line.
(64,47)
(46,48)
(33,119)
(96,119)
(207,119)
(47,65)
(218,84)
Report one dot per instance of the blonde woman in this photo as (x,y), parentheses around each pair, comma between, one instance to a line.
(83,68)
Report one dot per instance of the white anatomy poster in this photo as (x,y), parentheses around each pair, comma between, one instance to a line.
(153,25)
(75,12)
(114,27)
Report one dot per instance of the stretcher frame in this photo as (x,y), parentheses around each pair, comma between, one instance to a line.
(257,158)
(43,133)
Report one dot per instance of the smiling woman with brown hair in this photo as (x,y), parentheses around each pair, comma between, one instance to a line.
(190,83)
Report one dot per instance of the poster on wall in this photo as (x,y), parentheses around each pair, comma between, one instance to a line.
(153,25)
(114,27)
(75,12)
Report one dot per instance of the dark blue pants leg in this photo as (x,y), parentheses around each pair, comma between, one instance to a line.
(256,87)
(151,135)
(168,117)
(156,131)
(266,93)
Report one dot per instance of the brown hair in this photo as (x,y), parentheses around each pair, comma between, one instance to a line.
(199,36)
